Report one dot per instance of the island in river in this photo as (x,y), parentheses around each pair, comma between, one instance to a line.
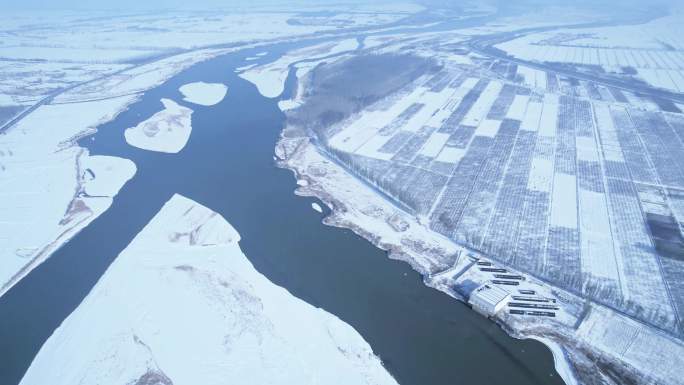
(181,304)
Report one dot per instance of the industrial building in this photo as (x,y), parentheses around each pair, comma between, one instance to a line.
(488,299)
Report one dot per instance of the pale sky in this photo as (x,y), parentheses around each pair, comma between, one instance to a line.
(229,4)
(153,4)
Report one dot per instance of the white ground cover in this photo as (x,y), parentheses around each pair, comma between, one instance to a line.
(369,215)
(24,82)
(103,176)
(434,144)
(117,36)
(564,201)
(270,78)
(362,134)
(533,77)
(652,353)
(140,78)
(584,222)
(359,130)
(656,356)
(549,116)
(653,49)
(478,111)
(598,252)
(366,212)
(183,305)
(450,155)
(166,131)
(530,121)
(50,50)
(488,128)
(518,107)
(205,94)
(541,175)
(51,188)
(547,15)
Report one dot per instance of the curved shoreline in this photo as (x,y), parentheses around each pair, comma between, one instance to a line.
(407,324)
(334,217)
(560,360)
(577,357)
(394,253)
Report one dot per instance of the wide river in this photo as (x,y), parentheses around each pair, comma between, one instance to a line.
(423,336)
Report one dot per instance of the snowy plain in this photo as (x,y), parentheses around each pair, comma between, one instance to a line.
(182,305)
(51,187)
(557,179)
(166,131)
(652,49)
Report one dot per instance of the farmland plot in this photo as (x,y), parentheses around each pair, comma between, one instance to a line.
(557,185)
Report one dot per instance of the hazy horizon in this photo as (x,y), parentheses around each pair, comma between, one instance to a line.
(135,5)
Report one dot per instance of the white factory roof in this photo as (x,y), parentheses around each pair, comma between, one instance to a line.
(490,293)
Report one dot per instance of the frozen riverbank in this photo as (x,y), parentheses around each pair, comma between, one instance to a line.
(585,346)
(270,78)
(182,305)
(52,188)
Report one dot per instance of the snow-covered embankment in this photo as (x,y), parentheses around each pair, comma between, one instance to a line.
(53,188)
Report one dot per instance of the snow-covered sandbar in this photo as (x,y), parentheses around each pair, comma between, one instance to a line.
(166,131)
(205,94)
(104,176)
(182,305)
(317,207)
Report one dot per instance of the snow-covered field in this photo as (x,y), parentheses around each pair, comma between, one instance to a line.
(356,206)
(270,78)
(410,111)
(103,176)
(573,184)
(653,49)
(524,175)
(137,79)
(554,14)
(166,131)
(363,210)
(51,188)
(44,52)
(182,305)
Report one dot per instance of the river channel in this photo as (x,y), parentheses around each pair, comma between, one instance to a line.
(423,336)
